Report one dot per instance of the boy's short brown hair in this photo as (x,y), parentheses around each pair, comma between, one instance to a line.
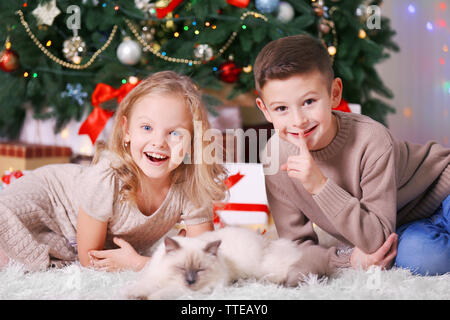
(289,56)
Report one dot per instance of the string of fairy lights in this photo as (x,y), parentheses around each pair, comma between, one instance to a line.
(144,44)
(191,62)
(58,60)
(153,47)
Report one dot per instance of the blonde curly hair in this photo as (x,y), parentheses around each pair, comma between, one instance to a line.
(204,182)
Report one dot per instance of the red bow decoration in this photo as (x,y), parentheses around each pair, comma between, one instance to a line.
(239,3)
(12,175)
(229,182)
(162,12)
(98,118)
(232,180)
(343,106)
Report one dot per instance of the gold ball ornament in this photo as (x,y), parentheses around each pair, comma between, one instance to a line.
(148,33)
(204,52)
(74,49)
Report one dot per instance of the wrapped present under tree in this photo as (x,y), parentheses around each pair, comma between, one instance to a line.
(25,156)
(247,204)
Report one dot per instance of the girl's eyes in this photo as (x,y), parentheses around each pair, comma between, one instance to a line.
(309,102)
(281,108)
(173,133)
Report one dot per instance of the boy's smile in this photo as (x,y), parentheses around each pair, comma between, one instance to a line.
(301,105)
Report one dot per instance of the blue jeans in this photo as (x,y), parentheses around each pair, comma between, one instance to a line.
(424,245)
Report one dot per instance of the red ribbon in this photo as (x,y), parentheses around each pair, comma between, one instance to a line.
(232,180)
(96,121)
(229,182)
(162,12)
(343,106)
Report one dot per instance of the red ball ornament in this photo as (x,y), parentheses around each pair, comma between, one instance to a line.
(9,60)
(229,72)
(239,3)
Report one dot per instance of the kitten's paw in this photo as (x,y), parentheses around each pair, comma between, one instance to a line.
(137,297)
(136,291)
(141,297)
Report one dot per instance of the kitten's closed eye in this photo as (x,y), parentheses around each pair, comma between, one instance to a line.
(183,269)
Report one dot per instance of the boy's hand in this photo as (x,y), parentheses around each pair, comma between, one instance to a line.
(125,258)
(383,257)
(303,167)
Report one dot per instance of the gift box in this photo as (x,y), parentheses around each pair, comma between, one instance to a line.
(26,156)
(247,204)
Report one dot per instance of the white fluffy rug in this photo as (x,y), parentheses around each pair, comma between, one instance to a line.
(76,283)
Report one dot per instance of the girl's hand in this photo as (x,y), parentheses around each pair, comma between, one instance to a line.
(303,167)
(383,257)
(125,258)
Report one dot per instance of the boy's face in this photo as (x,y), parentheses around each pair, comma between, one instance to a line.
(302,104)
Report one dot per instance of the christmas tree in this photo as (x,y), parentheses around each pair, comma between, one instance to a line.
(57,52)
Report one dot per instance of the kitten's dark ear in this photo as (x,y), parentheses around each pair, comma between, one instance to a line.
(171,244)
(212,247)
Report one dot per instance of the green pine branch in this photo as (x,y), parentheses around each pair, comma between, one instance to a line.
(355,60)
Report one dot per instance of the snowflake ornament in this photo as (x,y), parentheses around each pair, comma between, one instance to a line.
(46,13)
(75,93)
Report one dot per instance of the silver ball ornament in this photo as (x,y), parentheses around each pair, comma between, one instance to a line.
(267,6)
(129,52)
(285,12)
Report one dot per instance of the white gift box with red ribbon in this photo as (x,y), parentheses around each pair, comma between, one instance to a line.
(247,204)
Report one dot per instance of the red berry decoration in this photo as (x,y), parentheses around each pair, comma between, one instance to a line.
(229,72)
(9,60)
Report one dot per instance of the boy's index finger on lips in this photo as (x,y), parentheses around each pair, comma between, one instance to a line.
(299,141)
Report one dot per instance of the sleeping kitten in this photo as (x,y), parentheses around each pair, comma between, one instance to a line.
(216,259)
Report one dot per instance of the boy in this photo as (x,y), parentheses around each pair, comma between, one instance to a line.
(345,172)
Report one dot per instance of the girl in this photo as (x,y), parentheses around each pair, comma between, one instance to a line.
(136,190)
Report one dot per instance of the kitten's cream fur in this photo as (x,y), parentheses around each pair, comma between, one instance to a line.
(215,259)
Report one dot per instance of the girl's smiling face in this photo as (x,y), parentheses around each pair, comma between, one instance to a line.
(302,104)
(159,133)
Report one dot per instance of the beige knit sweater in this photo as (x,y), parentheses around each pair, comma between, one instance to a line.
(375,183)
(38,212)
